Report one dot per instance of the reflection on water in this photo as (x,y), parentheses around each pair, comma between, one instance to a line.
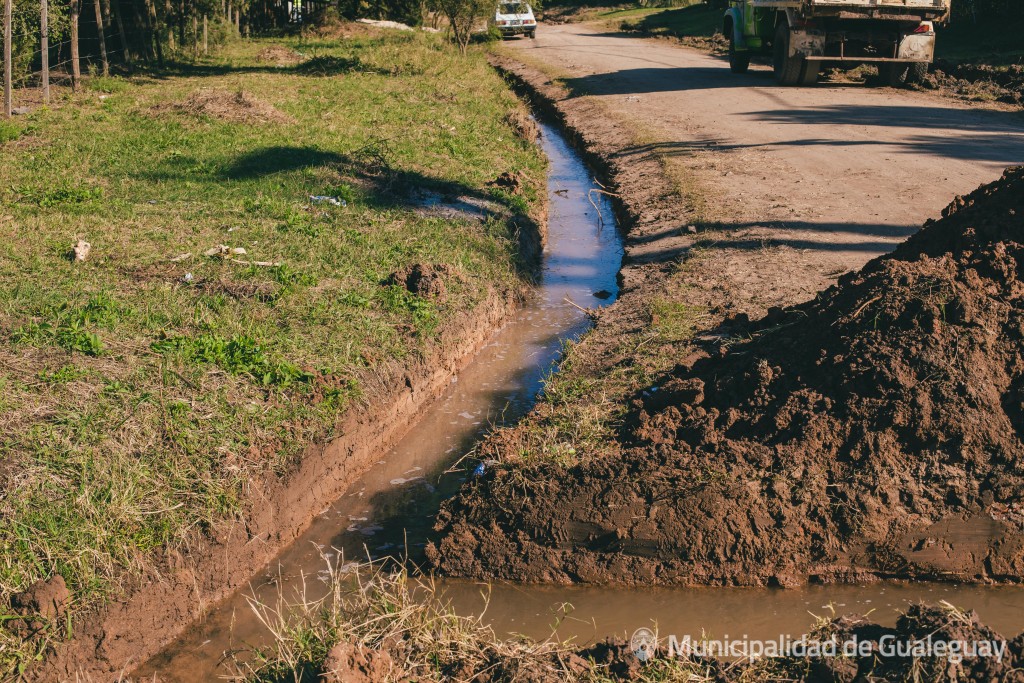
(597,612)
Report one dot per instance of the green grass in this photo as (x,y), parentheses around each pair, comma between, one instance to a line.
(697,20)
(141,390)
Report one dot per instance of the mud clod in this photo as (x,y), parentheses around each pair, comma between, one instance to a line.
(427,281)
(876,431)
(353,663)
(510,181)
(43,603)
(523,124)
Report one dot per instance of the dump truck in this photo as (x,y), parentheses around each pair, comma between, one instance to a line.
(805,36)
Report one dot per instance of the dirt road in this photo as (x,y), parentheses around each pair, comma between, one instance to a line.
(824,177)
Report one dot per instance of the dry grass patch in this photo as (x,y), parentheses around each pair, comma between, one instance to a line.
(238,106)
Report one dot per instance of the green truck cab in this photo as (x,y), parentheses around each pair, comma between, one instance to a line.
(805,36)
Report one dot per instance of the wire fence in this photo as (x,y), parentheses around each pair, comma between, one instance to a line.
(118,48)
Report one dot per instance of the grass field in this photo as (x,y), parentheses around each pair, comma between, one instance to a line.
(141,389)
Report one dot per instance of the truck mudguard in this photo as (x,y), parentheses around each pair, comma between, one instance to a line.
(734,17)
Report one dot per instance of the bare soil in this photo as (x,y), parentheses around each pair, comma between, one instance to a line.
(872,432)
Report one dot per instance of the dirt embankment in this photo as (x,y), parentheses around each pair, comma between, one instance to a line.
(161,604)
(873,432)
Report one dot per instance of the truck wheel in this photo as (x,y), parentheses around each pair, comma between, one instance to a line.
(787,68)
(739,62)
(892,75)
(809,73)
(917,72)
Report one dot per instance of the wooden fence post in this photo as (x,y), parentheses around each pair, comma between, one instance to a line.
(44,47)
(8,74)
(76,67)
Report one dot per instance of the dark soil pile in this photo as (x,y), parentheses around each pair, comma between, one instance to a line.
(979,82)
(873,432)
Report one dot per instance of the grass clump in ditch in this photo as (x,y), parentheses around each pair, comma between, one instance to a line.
(398,626)
(142,388)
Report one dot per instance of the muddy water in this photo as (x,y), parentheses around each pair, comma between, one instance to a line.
(390,509)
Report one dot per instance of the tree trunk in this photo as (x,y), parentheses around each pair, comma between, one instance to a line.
(195,36)
(112,9)
(154,31)
(76,67)
(168,28)
(103,38)
(206,37)
(44,47)
(8,74)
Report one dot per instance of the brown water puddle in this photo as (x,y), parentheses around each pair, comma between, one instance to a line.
(590,613)
(389,511)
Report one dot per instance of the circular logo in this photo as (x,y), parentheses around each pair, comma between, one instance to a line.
(643,644)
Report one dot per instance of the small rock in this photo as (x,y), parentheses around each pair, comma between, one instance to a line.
(603,294)
(81,250)
(692,229)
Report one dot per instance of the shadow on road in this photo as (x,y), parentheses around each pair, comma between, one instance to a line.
(999,147)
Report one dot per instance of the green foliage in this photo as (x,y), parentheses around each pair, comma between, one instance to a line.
(9,130)
(65,194)
(68,327)
(237,355)
(25,29)
(396,299)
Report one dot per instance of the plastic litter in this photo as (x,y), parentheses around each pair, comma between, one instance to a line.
(224,251)
(324,199)
(188,277)
(479,470)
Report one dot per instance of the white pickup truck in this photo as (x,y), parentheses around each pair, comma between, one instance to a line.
(803,36)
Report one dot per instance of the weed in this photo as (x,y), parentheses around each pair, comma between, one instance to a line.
(396,299)
(66,194)
(239,355)
(675,321)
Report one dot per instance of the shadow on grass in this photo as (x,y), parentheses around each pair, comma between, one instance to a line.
(318,65)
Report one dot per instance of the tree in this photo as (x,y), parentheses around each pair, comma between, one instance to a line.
(463,16)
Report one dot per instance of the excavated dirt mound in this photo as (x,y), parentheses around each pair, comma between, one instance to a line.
(237,106)
(875,431)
